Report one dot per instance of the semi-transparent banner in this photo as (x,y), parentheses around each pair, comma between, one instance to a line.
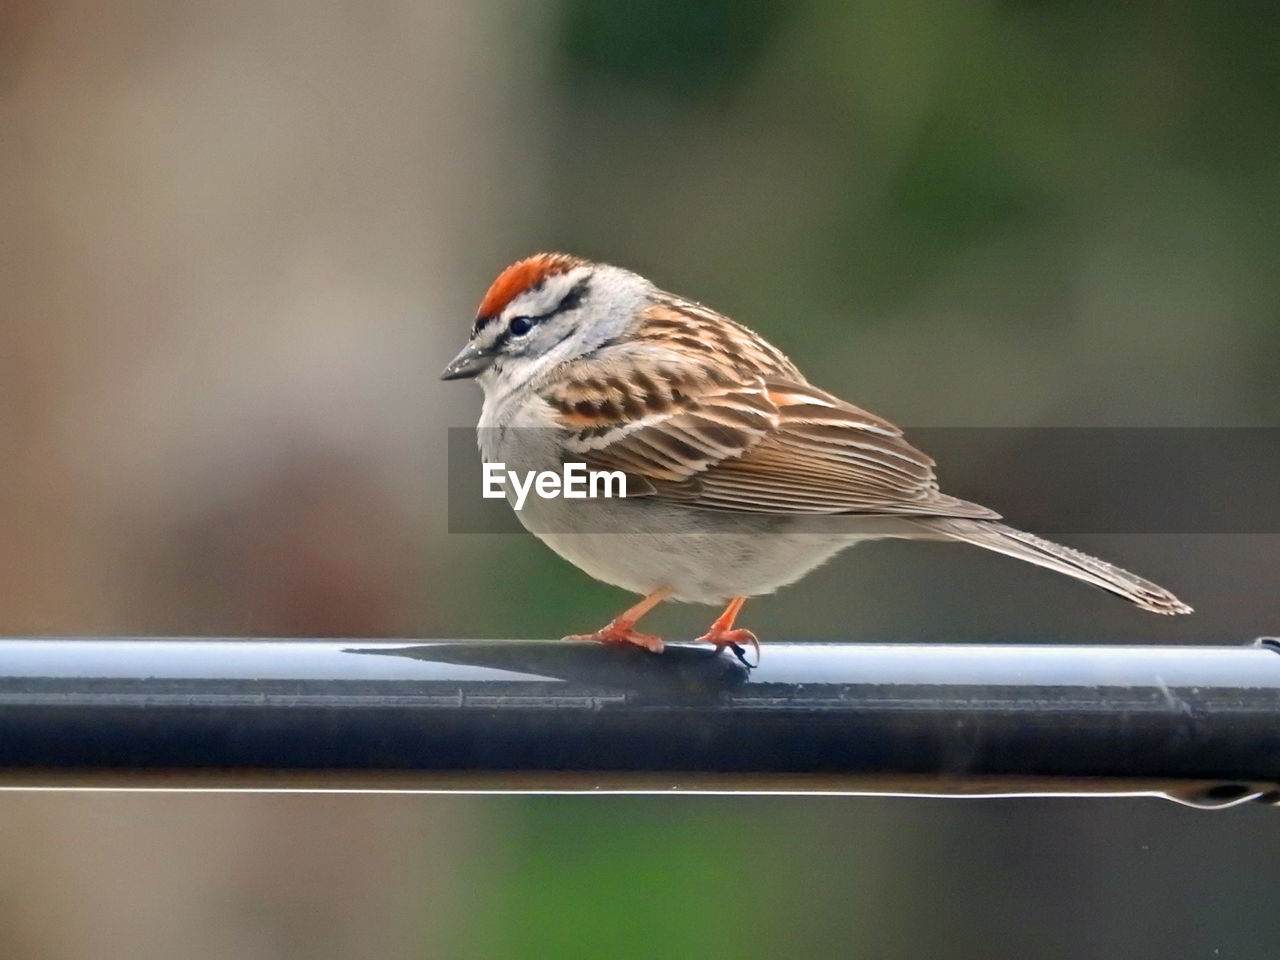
(1044,479)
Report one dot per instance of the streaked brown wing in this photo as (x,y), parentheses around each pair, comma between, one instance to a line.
(752,436)
(828,456)
(664,423)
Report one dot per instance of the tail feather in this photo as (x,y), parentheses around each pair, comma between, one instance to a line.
(992,535)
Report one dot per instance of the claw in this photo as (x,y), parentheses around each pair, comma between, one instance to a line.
(618,632)
(724,634)
(621,629)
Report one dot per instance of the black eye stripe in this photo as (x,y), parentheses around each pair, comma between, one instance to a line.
(571,300)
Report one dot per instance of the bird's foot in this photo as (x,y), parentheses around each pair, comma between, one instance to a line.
(619,631)
(734,639)
(724,634)
(622,628)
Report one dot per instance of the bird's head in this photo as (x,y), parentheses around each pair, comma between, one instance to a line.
(542,311)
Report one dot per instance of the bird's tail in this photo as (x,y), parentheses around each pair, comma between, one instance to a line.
(993,535)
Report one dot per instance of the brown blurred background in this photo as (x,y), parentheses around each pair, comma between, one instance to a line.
(241,239)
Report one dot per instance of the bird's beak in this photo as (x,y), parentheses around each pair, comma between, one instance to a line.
(470,362)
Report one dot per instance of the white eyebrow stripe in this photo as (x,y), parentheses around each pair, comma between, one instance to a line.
(547,296)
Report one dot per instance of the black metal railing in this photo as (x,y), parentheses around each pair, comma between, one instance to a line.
(1200,723)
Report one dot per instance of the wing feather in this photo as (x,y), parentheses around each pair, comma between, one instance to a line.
(746,433)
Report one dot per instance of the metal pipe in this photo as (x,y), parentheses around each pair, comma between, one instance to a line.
(1201,724)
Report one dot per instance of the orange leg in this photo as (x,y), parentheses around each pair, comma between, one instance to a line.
(621,629)
(723,634)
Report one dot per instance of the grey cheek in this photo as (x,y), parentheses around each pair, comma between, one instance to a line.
(562,337)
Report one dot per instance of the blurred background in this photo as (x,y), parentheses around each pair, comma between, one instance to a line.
(241,239)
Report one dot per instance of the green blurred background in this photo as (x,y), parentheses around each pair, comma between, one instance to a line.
(241,239)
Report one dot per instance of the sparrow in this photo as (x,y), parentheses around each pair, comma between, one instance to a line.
(741,476)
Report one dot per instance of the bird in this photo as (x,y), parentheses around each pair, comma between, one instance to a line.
(741,476)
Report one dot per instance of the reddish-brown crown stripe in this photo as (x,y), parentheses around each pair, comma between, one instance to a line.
(524,275)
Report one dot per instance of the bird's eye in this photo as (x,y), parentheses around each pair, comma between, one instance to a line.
(519,326)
